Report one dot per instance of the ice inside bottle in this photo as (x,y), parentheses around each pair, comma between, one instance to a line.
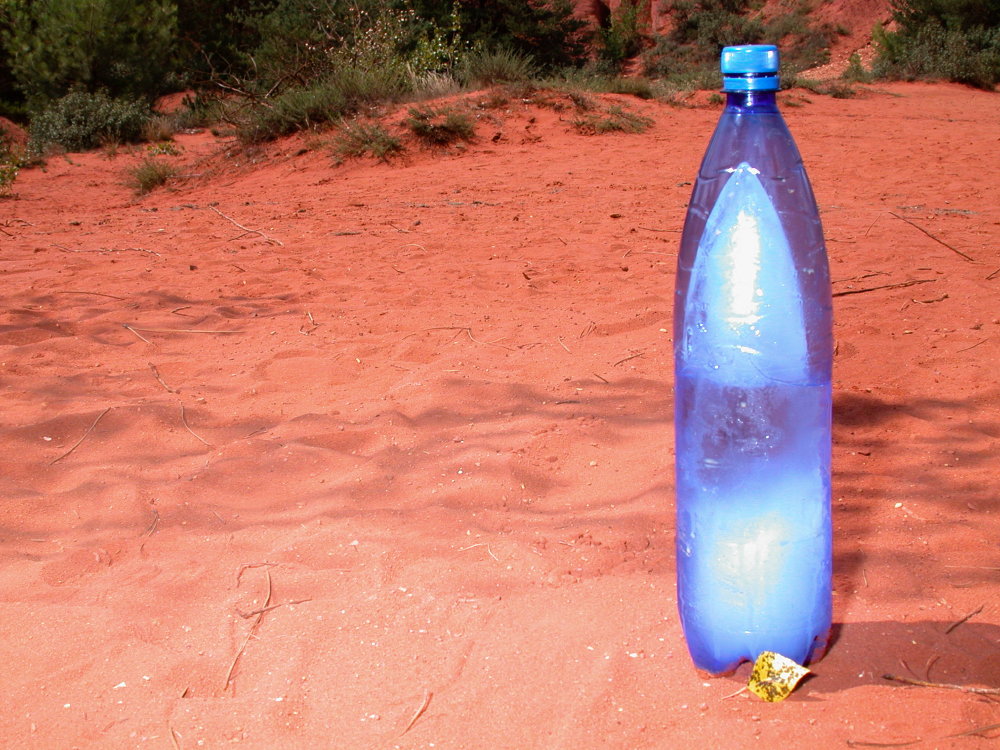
(753,421)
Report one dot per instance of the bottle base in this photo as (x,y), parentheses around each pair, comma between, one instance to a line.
(819,649)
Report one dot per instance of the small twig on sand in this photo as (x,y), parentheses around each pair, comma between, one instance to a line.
(977,731)
(154,524)
(174,330)
(419,712)
(859,743)
(480,544)
(95,294)
(468,331)
(993,275)
(626,359)
(173,738)
(247,229)
(250,633)
(262,610)
(981,341)
(156,374)
(138,335)
(77,443)
(603,380)
(943,685)
(900,285)
(964,619)
(188,427)
(110,250)
(940,242)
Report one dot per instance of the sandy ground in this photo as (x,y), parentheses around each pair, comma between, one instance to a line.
(371,455)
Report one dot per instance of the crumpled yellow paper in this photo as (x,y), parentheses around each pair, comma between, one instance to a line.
(774,676)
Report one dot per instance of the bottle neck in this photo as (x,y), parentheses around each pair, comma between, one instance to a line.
(751,101)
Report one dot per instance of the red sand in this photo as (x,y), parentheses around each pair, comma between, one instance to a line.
(420,422)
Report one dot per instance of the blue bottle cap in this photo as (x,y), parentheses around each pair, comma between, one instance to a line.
(750,67)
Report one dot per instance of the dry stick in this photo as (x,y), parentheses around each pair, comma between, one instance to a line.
(900,285)
(156,374)
(940,242)
(109,250)
(174,330)
(977,730)
(626,359)
(944,685)
(993,275)
(964,619)
(250,633)
(140,336)
(247,229)
(154,524)
(603,380)
(469,332)
(188,427)
(420,711)
(95,294)
(859,743)
(77,443)
(983,341)
(173,738)
(262,610)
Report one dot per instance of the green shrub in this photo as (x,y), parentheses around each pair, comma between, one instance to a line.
(689,53)
(641,88)
(836,89)
(151,173)
(124,47)
(621,38)
(342,93)
(502,65)
(546,30)
(358,139)
(433,85)
(615,119)
(855,70)
(10,163)
(969,55)
(81,121)
(441,127)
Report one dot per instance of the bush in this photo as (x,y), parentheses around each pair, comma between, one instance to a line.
(10,163)
(621,39)
(502,65)
(340,94)
(641,88)
(123,47)
(690,52)
(969,55)
(615,119)
(855,71)
(546,30)
(440,127)
(150,173)
(357,139)
(81,121)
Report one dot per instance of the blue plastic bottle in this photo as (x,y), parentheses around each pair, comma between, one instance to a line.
(752,358)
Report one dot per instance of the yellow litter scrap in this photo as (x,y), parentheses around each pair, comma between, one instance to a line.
(774,676)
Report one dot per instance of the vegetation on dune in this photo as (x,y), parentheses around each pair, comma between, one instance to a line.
(83,73)
(955,40)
